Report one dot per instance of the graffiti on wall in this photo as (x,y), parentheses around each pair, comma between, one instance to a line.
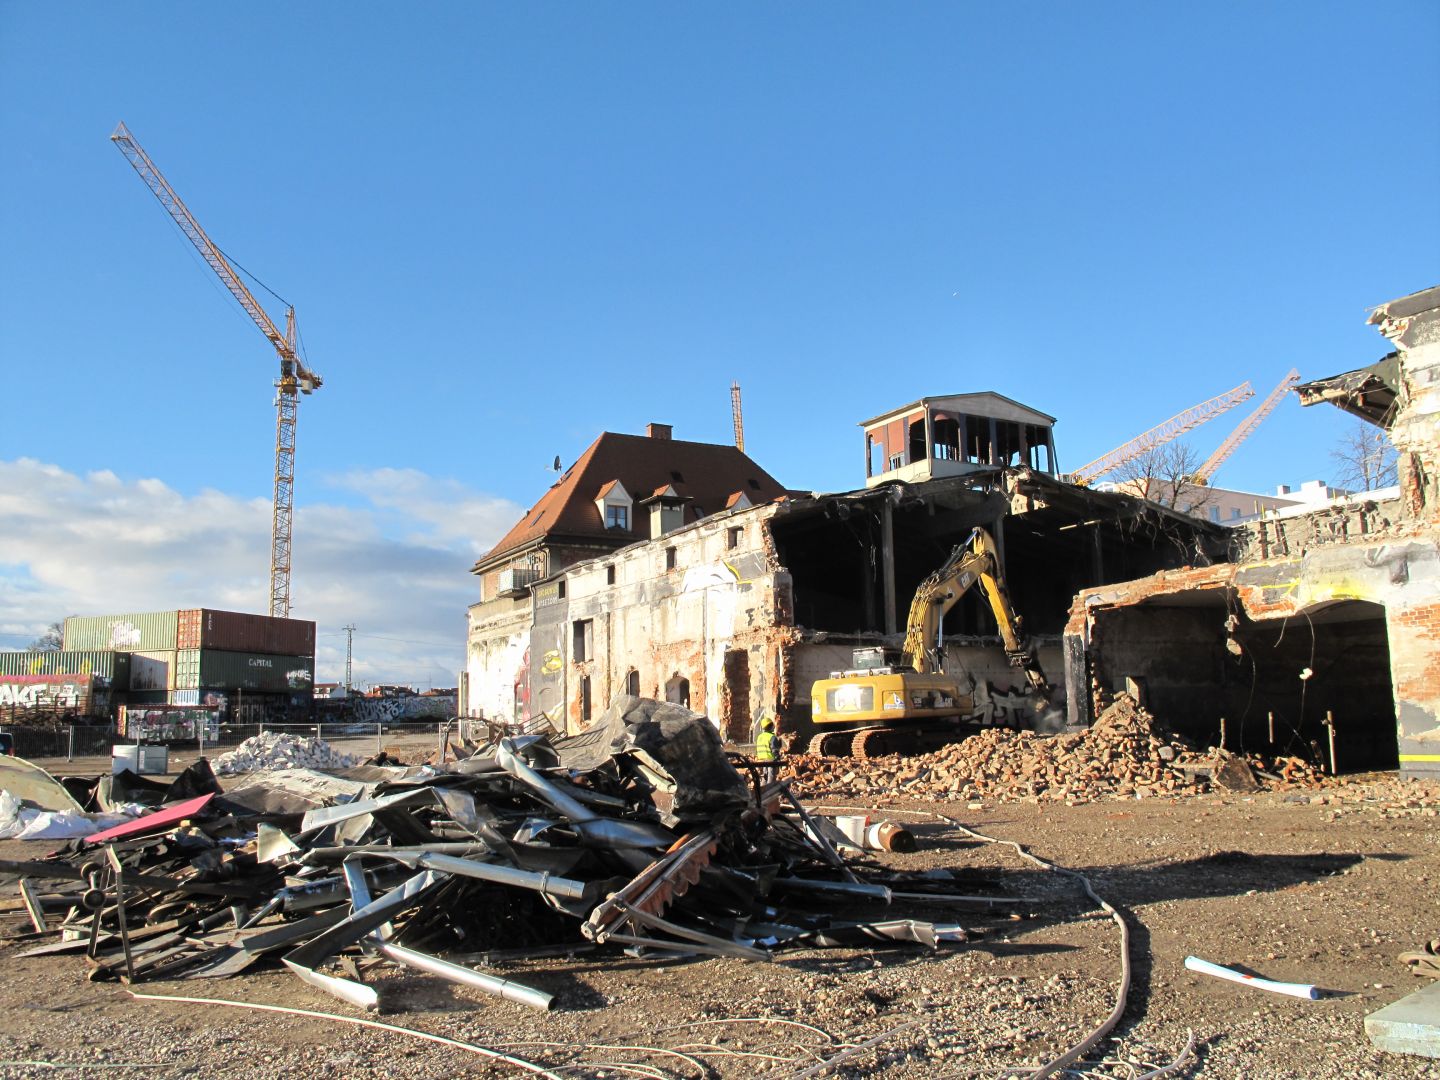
(388,710)
(995,707)
(42,691)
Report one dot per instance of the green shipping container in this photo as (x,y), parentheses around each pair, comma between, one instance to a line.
(151,631)
(259,672)
(109,668)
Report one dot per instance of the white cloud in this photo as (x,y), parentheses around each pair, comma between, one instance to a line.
(397,566)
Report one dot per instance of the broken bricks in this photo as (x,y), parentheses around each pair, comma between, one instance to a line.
(640,835)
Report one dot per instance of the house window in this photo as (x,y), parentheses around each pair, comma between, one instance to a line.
(1234,513)
(733,535)
(609,575)
(632,683)
(617,517)
(896,460)
(1214,513)
(584,643)
(560,590)
(585,699)
(671,559)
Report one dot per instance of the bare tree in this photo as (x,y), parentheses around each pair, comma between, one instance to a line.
(1365,458)
(52,640)
(1163,474)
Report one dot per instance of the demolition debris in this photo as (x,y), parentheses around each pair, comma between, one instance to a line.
(1124,754)
(639,835)
(271,751)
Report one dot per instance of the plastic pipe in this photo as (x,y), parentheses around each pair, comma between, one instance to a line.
(1205,967)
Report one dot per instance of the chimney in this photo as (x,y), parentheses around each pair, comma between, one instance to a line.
(658,431)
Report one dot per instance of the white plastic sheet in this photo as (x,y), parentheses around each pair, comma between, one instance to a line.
(19,822)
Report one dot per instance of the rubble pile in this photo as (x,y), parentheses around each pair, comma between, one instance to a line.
(639,834)
(1124,754)
(270,750)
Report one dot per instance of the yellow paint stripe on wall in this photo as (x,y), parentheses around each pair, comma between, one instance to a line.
(1420,757)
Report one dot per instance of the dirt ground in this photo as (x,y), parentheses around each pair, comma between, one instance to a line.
(1325,888)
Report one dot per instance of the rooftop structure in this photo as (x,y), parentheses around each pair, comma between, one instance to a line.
(956,434)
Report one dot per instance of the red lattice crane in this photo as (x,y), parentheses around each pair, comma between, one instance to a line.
(1161,434)
(295,377)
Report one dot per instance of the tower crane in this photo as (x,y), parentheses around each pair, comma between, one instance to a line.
(295,377)
(1161,434)
(737,417)
(1244,429)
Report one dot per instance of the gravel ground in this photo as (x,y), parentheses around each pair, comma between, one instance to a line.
(1326,892)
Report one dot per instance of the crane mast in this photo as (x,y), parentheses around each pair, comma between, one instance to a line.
(736,416)
(295,377)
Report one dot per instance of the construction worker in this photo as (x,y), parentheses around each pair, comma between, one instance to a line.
(767,749)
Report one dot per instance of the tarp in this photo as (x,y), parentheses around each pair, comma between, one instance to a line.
(19,822)
(32,784)
(684,745)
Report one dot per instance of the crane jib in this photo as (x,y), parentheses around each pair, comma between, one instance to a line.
(293,374)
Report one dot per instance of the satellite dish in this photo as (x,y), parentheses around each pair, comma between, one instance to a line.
(556,466)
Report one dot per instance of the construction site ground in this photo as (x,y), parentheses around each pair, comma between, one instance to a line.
(1324,888)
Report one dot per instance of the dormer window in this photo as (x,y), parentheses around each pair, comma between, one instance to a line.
(614,504)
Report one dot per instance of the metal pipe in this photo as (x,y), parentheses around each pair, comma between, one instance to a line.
(850,888)
(490,984)
(568,888)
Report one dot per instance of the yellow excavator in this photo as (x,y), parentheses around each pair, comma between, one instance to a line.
(879,707)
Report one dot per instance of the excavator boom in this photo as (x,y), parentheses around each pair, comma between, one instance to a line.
(974,562)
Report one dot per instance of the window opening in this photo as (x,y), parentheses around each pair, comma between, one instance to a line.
(733,536)
(671,559)
(617,517)
(947,439)
(583,647)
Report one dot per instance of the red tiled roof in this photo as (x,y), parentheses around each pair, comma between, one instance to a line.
(708,474)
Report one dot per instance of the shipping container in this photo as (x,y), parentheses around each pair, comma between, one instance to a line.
(259,672)
(234,631)
(187,669)
(148,697)
(168,723)
(212,699)
(152,670)
(108,668)
(46,694)
(151,631)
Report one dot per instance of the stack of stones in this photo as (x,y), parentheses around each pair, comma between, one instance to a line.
(1124,754)
(269,750)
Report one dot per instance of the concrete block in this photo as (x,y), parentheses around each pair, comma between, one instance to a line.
(1410,1025)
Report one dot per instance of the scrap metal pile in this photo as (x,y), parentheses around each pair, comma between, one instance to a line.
(640,834)
(1124,754)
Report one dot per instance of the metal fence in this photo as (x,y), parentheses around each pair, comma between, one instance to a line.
(71,741)
(91,740)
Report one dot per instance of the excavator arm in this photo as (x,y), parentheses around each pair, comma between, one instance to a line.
(976,561)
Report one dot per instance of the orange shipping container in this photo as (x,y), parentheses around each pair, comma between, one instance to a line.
(233,631)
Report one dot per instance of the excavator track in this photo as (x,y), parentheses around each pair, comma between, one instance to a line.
(871,744)
(830,744)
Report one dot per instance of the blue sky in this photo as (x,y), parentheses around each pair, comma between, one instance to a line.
(507,228)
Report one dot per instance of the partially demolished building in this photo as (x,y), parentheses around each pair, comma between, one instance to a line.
(738,611)
(1324,630)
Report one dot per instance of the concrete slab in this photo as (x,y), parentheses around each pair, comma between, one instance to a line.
(1410,1025)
